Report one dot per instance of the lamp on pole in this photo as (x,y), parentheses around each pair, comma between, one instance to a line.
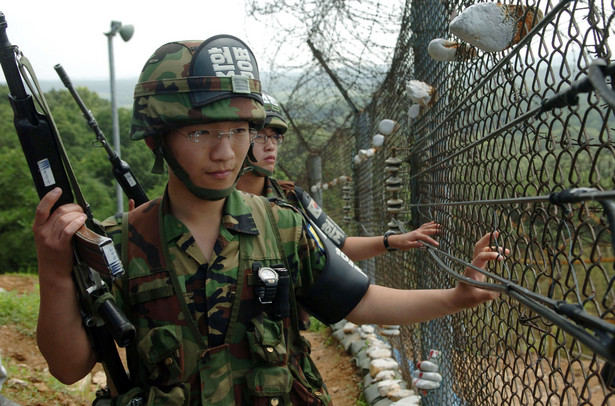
(125,32)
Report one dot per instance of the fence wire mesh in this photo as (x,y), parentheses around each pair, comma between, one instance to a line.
(481,143)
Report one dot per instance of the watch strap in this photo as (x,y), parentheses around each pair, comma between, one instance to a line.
(385,240)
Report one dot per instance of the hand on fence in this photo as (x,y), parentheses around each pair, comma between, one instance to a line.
(470,296)
(415,238)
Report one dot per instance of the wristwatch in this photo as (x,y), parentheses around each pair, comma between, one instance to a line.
(386,241)
(269,284)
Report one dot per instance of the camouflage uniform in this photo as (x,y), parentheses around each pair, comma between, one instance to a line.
(202,335)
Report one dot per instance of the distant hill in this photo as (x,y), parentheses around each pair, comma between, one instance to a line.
(124,88)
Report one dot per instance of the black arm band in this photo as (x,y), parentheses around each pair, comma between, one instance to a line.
(339,288)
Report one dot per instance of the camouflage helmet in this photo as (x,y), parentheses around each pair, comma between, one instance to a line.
(274,119)
(197,82)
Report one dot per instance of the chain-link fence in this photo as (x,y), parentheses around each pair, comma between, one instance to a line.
(482,156)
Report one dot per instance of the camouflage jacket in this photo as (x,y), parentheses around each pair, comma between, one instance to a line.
(203,337)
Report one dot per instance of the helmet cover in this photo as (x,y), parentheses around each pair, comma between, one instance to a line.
(274,118)
(197,82)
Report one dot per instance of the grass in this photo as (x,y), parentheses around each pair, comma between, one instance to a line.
(20,310)
(37,387)
(318,327)
(27,385)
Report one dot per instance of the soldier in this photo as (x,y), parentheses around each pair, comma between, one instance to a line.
(214,275)
(258,179)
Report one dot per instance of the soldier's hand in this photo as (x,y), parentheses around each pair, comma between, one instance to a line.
(53,232)
(468,295)
(416,238)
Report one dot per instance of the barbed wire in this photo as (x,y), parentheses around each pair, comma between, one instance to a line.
(477,158)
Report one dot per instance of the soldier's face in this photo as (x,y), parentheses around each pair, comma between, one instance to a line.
(212,154)
(266,154)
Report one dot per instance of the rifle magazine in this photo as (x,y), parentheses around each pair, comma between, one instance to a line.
(98,252)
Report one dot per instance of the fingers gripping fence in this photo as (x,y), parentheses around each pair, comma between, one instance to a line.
(487,153)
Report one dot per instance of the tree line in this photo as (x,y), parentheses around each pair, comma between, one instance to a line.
(18,197)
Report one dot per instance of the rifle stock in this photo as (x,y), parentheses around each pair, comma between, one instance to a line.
(94,253)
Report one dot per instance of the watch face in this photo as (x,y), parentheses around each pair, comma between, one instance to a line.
(267,275)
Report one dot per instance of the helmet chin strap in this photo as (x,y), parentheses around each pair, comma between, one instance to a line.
(248,165)
(258,171)
(200,192)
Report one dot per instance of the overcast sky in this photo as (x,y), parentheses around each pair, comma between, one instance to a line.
(71,32)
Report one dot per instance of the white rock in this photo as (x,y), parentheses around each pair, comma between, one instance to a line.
(380,353)
(430,376)
(388,127)
(376,344)
(382,364)
(349,328)
(384,387)
(370,152)
(399,394)
(99,379)
(368,336)
(449,51)
(314,189)
(367,328)
(419,92)
(384,375)
(425,384)
(390,332)
(414,111)
(494,27)
(427,366)
(409,401)
(16,382)
(378,140)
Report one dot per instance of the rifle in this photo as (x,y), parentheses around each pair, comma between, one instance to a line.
(121,170)
(94,253)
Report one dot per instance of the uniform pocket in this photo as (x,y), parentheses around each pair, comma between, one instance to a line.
(266,340)
(162,353)
(308,387)
(269,385)
(173,396)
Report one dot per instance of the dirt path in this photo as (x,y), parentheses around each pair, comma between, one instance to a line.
(338,371)
(20,350)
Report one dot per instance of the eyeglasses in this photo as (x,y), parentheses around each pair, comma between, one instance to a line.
(212,137)
(262,138)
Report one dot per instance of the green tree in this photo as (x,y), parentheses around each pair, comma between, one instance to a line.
(19,198)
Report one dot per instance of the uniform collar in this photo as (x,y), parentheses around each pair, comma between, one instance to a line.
(236,218)
(268,188)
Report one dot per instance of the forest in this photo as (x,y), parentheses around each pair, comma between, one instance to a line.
(18,199)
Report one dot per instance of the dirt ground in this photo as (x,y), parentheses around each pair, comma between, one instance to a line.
(339,373)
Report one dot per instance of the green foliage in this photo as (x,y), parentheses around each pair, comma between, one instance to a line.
(18,202)
(20,310)
(316,326)
(19,199)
